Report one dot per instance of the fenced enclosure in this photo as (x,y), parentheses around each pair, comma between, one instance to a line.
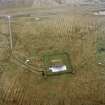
(58,63)
(49,33)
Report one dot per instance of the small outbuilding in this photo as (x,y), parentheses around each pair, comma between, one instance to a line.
(58,68)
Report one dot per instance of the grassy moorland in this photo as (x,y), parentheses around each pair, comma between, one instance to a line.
(34,36)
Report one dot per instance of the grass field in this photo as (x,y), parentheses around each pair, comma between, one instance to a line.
(34,36)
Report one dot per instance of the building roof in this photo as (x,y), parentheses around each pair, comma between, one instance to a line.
(58,68)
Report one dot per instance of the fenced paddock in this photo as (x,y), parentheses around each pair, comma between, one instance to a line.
(56,59)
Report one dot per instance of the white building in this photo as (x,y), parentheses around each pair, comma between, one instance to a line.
(58,68)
